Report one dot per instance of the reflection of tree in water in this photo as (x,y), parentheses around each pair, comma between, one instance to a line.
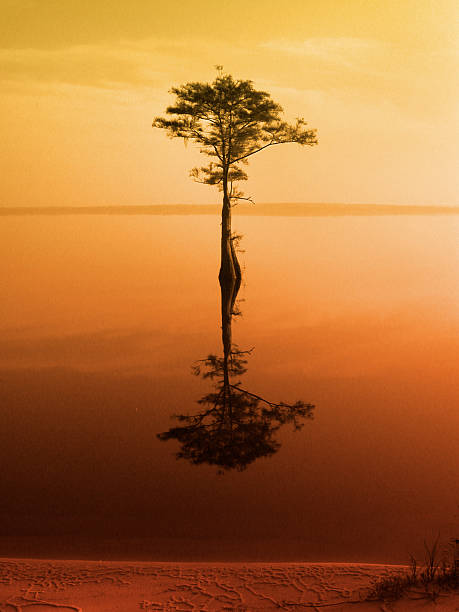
(235,426)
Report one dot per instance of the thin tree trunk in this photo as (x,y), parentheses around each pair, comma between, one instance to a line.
(229,290)
(229,265)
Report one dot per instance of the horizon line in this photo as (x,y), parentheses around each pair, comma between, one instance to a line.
(287,209)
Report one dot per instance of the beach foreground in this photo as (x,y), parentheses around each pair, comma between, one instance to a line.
(96,586)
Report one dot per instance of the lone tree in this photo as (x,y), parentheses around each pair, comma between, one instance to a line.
(230,121)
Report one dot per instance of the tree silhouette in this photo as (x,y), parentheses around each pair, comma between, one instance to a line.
(235,426)
(231,121)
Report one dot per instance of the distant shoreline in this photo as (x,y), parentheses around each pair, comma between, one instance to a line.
(268,210)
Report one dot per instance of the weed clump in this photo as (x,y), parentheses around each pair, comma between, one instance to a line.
(428,581)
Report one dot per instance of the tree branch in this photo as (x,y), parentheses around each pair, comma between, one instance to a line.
(261,399)
(270,144)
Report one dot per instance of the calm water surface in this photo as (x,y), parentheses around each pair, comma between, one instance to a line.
(102,318)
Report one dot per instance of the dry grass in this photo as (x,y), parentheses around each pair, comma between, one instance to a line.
(434,577)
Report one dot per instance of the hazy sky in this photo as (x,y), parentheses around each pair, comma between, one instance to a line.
(81,81)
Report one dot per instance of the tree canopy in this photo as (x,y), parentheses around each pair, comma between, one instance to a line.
(231,121)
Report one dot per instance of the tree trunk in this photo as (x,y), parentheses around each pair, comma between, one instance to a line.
(229,265)
(229,290)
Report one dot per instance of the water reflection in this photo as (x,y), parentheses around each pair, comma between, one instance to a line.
(234,426)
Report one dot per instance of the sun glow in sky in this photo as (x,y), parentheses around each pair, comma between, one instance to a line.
(81,82)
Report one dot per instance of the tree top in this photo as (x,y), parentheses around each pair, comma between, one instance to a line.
(230,120)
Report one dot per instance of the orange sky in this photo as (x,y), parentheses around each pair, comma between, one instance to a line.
(81,82)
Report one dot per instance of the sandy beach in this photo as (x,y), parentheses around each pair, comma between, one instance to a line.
(111,586)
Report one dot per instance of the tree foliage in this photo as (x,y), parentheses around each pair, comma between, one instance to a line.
(235,426)
(231,121)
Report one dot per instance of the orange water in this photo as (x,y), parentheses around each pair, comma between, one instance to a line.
(101,319)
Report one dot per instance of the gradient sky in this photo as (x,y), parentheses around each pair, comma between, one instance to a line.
(82,80)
